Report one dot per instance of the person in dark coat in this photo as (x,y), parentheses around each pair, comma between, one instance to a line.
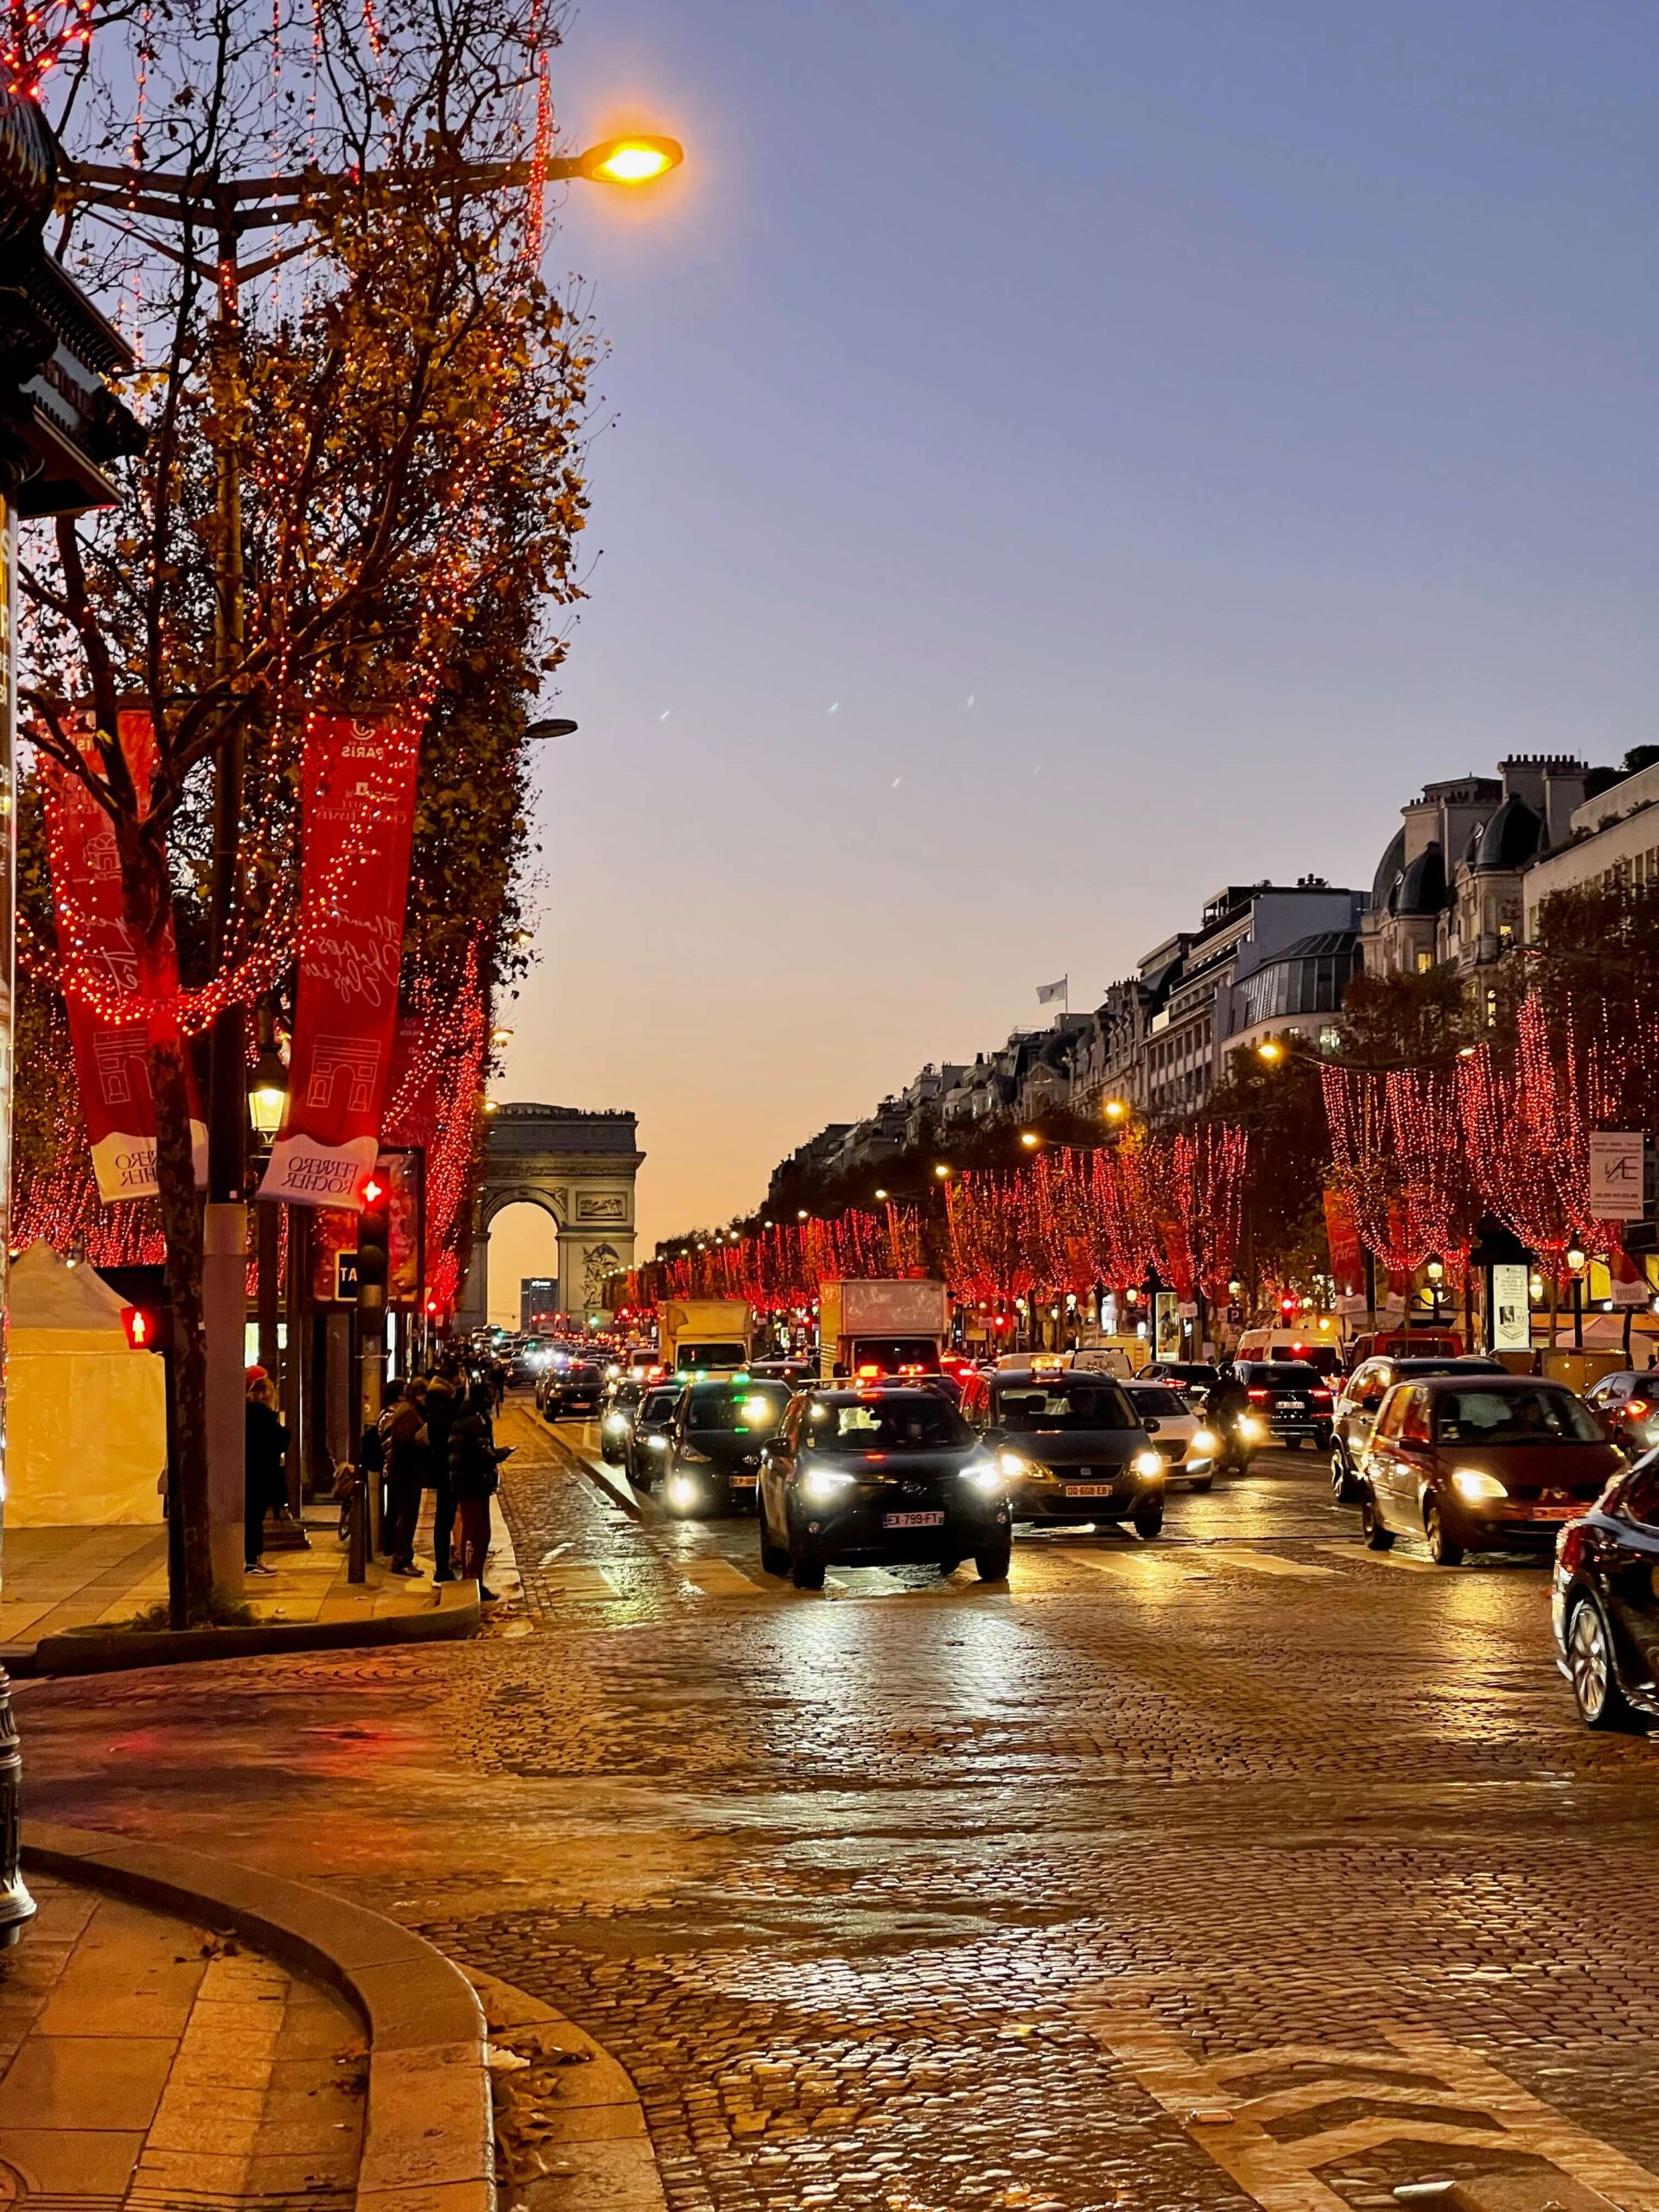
(475,1476)
(407,1460)
(442,1406)
(264,1475)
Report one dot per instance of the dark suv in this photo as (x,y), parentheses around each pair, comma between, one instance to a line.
(1292,1397)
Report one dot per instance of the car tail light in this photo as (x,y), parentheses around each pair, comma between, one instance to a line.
(1637,1409)
(1259,1397)
(1321,1397)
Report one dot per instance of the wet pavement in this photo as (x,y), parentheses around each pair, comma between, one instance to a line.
(1245,1865)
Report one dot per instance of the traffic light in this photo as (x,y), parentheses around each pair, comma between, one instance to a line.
(149,1328)
(374,1232)
(1287,1306)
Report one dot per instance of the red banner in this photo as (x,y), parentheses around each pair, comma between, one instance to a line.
(1342,1235)
(104,961)
(358,812)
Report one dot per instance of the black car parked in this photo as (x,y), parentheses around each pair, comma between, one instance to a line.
(1291,1397)
(715,1439)
(879,1476)
(645,1458)
(1605,1602)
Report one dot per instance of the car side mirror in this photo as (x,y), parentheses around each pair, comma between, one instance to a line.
(1151,1426)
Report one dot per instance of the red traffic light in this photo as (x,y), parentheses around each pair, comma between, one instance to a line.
(1287,1306)
(373,1190)
(147,1328)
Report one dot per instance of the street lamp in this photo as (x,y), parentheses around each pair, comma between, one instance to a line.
(268,1093)
(1270,1050)
(880,1196)
(1029,1138)
(942,1171)
(1114,1109)
(1435,1268)
(628,161)
(1577,1261)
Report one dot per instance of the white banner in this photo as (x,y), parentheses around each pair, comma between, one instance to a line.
(1616,1174)
(1511,1327)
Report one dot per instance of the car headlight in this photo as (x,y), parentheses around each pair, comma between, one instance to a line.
(616,1423)
(682,1491)
(1251,1427)
(657,1443)
(1011,1465)
(986,1475)
(1474,1483)
(823,1486)
(1205,1441)
(1147,1464)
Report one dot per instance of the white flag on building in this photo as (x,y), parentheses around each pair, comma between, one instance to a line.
(1047,993)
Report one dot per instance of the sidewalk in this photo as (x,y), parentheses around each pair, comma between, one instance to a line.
(61,1583)
(143,2061)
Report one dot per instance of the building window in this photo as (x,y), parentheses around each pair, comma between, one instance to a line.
(1424,962)
(1491,1006)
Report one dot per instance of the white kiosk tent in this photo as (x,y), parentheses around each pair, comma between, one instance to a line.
(85,1415)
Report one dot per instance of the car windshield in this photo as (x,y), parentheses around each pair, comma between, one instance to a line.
(757,1406)
(1162,1403)
(1286,1378)
(658,1405)
(918,1421)
(1540,1417)
(1065,1404)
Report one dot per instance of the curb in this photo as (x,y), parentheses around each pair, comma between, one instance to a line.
(427,2137)
(570,2125)
(598,1474)
(106,1651)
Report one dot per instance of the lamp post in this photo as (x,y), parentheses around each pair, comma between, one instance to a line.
(1577,1261)
(206,207)
(1435,1268)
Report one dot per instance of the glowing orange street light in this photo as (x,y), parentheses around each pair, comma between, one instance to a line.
(1029,1138)
(1114,1109)
(634,160)
(1270,1050)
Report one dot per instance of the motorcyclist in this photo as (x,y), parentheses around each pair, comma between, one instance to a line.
(1229,1404)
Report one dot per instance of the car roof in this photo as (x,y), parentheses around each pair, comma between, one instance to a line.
(855,1394)
(1502,1381)
(1469,1363)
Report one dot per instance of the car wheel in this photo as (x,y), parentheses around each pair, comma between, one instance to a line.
(1342,1483)
(1201,1483)
(1443,1547)
(992,1564)
(949,1563)
(805,1566)
(1377,1538)
(1148,1521)
(774,1558)
(1600,1701)
(1322,1440)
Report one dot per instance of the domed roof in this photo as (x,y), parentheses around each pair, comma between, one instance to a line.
(1387,869)
(1511,838)
(1422,889)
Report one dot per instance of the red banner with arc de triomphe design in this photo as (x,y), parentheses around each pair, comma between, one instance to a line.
(108,972)
(357,820)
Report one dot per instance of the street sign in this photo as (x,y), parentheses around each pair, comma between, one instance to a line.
(1616,1174)
(345,1275)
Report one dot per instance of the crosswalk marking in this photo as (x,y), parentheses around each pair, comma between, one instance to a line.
(1139,1566)
(1269,1563)
(722,1578)
(1382,1559)
(582,1585)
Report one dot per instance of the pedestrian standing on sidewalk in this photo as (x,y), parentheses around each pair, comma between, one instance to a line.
(263,1476)
(475,1476)
(408,1460)
(442,1406)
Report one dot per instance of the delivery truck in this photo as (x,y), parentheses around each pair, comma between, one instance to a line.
(882,1326)
(705,1336)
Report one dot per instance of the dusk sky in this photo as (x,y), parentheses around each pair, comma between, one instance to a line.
(1068,455)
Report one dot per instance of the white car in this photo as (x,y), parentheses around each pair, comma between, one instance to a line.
(1191,1447)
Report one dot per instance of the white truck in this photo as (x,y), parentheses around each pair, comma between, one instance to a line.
(707,1336)
(881,1326)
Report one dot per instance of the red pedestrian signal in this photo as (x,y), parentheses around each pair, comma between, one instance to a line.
(1286,1306)
(148,1329)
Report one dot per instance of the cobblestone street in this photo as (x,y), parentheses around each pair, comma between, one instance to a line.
(1245,1865)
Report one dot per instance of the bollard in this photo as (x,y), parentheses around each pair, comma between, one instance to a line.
(356,1557)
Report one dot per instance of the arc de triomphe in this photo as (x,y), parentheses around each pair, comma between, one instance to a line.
(578,1167)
